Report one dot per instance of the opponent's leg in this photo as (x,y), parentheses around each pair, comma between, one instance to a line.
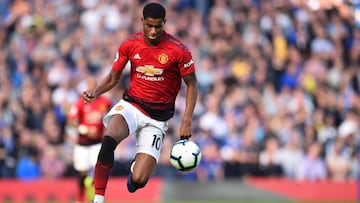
(116,131)
(140,171)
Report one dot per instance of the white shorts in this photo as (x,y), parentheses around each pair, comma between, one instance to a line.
(85,157)
(149,132)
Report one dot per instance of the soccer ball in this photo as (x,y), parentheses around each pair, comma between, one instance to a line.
(185,155)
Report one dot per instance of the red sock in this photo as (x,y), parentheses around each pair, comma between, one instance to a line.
(80,194)
(101,176)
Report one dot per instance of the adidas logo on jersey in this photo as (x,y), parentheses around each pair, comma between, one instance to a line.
(137,56)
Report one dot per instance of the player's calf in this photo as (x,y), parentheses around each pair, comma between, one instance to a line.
(135,182)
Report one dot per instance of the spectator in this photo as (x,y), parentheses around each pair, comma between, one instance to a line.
(291,154)
(338,161)
(327,132)
(212,120)
(211,165)
(269,158)
(312,167)
(7,151)
(28,167)
(51,165)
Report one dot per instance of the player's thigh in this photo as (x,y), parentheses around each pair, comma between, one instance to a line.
(149,141)
(121,120)
(81,158)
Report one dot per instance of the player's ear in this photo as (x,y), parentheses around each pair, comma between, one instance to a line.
(164,21)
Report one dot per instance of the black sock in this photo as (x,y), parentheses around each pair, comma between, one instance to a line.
(106,154)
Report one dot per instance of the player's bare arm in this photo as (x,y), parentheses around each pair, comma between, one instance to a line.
(191,97)
(105,85)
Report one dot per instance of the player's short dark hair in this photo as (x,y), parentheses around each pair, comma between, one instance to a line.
(154,10)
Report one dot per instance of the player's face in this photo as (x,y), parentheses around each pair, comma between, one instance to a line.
(153,30)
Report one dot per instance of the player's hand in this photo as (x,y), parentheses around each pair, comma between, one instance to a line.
(88,96)
(185,130)
(185,137)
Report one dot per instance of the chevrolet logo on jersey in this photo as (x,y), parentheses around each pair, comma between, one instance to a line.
(149,70)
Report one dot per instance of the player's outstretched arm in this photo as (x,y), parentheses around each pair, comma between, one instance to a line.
(191,97)
(105,85)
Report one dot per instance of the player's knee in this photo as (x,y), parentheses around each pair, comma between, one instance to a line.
(108,146)
(117,128)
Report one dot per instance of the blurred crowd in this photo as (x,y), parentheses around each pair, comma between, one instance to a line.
(279,84)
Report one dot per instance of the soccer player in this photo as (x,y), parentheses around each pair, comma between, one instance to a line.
(159,63)
(87,120)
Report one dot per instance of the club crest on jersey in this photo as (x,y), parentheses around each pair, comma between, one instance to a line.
(149,70)
(119,108)
(163,58)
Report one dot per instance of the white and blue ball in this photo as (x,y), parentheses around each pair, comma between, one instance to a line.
(185,155)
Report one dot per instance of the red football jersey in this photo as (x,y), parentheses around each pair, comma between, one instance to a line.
(90,115)
(156,71)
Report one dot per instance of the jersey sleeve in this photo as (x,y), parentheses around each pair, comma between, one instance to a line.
(121,57)
(186,63)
